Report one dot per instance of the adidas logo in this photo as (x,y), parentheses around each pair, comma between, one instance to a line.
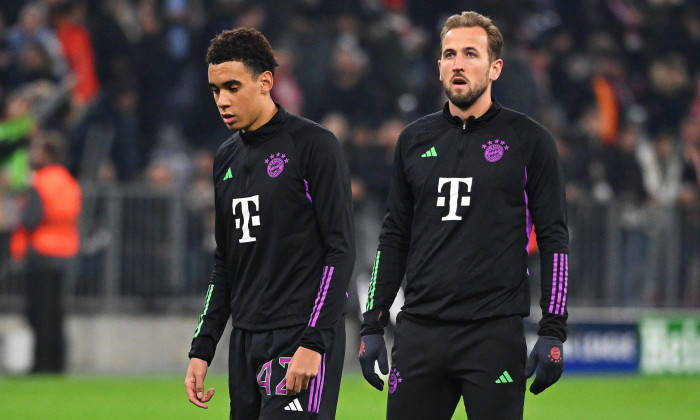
(504,378)
(430,153)
(228,175)
(294,406)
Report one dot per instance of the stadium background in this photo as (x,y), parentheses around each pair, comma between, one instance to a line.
(615,81)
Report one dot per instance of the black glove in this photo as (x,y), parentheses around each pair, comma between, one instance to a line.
(373,349)
(547,357)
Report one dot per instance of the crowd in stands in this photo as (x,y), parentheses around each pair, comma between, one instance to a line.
(615,81)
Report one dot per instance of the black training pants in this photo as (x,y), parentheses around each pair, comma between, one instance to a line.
(434,364)
(257,367)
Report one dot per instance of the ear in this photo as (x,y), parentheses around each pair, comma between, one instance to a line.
(266,81)
(439,68)
(496,68)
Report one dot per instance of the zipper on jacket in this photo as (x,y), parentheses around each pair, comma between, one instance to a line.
(246,170)
(460,152)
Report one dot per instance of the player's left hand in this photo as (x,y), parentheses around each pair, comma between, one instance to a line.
(547,358)
(302,369)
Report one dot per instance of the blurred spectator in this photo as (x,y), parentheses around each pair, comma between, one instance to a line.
(76,45)
(109,133)
(114,31)
(310,41)
(586,143)
(154,69)
(350,88)
(46,239)
(32,64)
(609,88)
(575,162)
(694,107)
(670,91)
(148,251)
(287,91)
(662,166)
(172,151)
(624,172)
(391,39)
(201,217)
(6,59)
(570,72)
(387,137)
(690,210)
(33,28)
(16,126)
(690,136)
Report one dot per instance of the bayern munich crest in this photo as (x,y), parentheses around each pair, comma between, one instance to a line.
(275,164)
(555,354)
(494,150)
(394,380)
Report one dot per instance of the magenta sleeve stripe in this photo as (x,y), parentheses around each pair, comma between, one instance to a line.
(563,274)
(319,390)
(306,184)
(555,278)
(322,292)
(528,216)
(313,397)
(316,388)
(323,299)
(318,297)
(560,284)
(560,275)
(312,388)
(323,383)
(566,283)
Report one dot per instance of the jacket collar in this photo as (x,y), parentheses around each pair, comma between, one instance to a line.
(472,123)
(267,130)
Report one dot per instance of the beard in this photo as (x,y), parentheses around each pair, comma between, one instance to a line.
(465,100)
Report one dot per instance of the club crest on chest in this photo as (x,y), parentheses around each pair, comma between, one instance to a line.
(275,164)
(494,150)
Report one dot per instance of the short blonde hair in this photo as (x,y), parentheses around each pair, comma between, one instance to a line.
(472,19)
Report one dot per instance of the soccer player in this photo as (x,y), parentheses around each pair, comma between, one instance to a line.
(467,185)
(284,247)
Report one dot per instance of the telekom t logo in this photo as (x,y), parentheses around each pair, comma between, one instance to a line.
(246,217)
(454,195)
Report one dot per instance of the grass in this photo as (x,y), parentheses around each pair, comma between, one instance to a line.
(144,398)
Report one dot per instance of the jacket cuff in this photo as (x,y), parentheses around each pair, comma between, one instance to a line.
(318,339)
(202,348)
(553,326)
(374,321)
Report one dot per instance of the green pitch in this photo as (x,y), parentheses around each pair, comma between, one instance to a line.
(145,398)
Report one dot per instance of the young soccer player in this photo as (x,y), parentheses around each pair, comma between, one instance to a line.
(285,247)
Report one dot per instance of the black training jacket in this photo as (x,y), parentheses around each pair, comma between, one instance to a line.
(284,233)
(463,200)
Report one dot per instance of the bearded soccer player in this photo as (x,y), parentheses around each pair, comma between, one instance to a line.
(284,247)
(468,183)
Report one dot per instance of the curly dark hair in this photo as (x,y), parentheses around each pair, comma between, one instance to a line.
(246,45)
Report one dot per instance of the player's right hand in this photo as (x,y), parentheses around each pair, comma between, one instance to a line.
(373,349)
(194,383)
